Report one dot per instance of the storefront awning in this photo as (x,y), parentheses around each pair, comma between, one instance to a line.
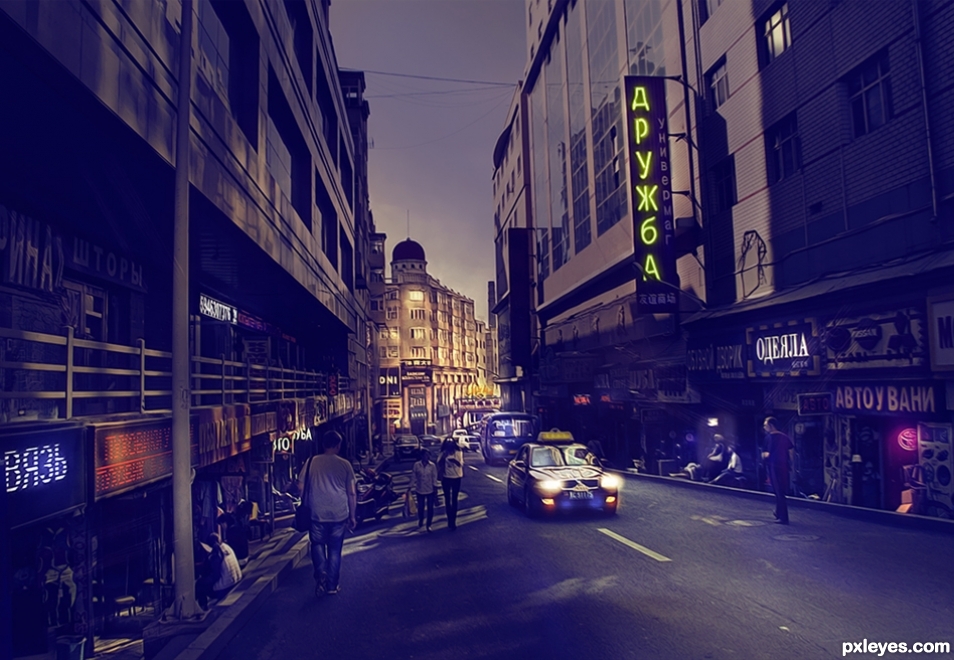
(889,272)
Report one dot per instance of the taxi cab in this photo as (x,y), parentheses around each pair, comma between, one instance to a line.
(556,473)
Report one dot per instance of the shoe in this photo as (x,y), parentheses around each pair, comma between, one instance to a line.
(428,528)
(332,592)
(780,522)
(775,514)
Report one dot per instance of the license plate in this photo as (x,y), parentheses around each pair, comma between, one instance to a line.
(581,495)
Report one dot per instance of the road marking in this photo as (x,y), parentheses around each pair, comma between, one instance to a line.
(635,546)
(490,476)
(473,468)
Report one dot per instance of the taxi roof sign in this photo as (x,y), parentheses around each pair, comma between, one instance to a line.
(554,435)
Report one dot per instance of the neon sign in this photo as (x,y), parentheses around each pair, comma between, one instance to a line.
(657,288)
(33,467)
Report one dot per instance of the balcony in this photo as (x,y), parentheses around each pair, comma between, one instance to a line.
(83,378)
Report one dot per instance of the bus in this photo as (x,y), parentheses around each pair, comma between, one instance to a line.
(503,433)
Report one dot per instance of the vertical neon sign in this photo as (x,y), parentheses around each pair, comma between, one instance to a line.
(650,184)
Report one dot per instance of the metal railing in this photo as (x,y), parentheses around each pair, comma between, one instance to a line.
(79,372)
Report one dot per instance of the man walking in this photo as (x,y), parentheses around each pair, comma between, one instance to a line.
(778,462)
(424,483)
(332,498)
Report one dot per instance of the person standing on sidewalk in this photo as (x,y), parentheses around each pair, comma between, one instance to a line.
(424,484)
(452,461)
(333,501)
(778,462)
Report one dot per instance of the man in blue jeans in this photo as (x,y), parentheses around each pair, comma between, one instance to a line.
(330,492)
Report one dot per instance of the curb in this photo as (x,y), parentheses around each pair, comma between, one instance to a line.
(213,640)
(888,518)
(210,643)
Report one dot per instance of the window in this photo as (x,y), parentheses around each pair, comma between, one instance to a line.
(395,333)
(383,351)
(235,49)
(717,80)
(286,154)
(723,185)
(376,305)
(783,149)
(707,8)
(869,88)
(418,352)
(391,295)
(418,333)
(776,34)
(417,296)
(392,351)
(392,313)
(377,275)
(384,333)
(418,314)
(377,247)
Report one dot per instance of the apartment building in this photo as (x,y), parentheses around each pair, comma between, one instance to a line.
(427,346)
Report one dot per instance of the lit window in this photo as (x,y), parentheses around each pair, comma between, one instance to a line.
(416,296)
(776,34)
(869,88)
(392,313)
(418,333)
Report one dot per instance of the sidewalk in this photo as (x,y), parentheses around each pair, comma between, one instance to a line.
(858,513)
(270,562)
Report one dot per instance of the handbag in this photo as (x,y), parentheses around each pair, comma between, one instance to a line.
(303,511)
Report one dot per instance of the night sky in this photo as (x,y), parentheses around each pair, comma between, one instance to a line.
(433,141)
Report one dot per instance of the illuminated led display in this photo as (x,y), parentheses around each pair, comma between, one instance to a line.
(33,467)
(657,287)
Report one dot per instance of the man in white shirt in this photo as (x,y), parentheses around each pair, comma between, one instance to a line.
(327,485)
(424,483)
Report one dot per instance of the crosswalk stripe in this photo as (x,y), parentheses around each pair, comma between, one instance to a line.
(632,544)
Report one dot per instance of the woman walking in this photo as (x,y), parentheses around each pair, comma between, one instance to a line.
(424,484)
(452,462)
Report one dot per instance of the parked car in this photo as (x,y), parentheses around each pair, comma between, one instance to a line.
(431,442)
(466,440)
(557,477)
(407,446)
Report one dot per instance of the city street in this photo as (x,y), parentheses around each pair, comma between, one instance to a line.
(677,574)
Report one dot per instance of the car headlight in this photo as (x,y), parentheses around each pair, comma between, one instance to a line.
(550,485)
(610,481)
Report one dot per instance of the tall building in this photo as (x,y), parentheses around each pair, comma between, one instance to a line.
(427,346)
(278,219)
(801,273)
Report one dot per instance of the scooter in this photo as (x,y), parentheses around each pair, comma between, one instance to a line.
(375,494)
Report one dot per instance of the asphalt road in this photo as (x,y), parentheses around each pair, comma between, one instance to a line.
(676,574)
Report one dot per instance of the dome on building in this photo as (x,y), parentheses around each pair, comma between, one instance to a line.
(408,250)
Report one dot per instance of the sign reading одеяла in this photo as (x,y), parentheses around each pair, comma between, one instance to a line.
(650,182)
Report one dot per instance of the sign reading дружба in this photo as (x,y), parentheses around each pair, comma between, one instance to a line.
(650,184)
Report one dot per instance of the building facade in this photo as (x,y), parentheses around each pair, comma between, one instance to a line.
(278,220)
(811,274)
(427,346)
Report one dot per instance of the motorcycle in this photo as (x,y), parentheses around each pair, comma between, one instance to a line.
(375,494)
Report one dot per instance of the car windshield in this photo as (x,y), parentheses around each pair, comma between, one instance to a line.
(511,428)
(575,455)
(546,457)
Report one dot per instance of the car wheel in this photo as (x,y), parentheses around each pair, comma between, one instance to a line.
(528,507)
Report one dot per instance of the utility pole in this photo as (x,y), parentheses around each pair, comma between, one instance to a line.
(185,607)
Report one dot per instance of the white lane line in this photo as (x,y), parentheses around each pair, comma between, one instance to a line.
(499,481)
(473,468)
(635,546)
